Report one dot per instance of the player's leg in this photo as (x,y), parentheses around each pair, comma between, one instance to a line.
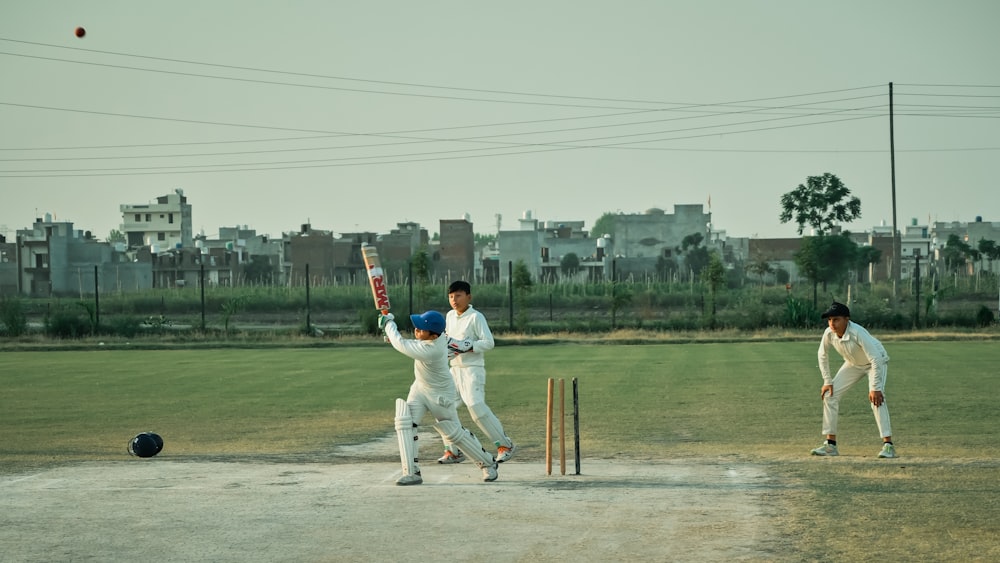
(881,413)
(472,389)
(406,433)
(846,377)
(452,453)
(468,442)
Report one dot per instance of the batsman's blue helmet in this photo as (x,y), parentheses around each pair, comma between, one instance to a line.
(431,321)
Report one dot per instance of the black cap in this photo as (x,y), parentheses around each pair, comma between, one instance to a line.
(837,310)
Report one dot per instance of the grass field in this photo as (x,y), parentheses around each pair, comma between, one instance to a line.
(752,402)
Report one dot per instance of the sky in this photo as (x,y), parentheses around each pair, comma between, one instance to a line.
(357,116)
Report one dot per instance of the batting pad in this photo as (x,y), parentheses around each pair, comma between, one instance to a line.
(454,433)
(489,424)
(406,432)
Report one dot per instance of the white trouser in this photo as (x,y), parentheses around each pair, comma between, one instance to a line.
(844,380)
(470,382)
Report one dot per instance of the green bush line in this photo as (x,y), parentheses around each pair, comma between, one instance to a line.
(546,308)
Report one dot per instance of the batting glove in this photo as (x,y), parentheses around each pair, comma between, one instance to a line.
(384,320)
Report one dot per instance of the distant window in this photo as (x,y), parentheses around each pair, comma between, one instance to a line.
(161,236)
(170,218)
(916,252)
(149,217)
(138,217)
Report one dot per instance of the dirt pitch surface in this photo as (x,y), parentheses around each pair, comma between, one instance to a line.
(349,509)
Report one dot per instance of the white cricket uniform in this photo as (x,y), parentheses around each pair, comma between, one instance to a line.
(469,370)
(433,388)
(863,355)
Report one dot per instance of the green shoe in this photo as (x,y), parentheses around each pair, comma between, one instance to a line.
(888,450)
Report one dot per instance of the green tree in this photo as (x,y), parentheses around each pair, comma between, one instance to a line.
(696,257)
(422,275)
(522,283)
(954,253)
(480,239)
(116,236)
(866,255)
(259,271)
(569,265)
(820,203)
(715,276)
(826,259)
(760,268)
(988,249)
(605,225)
(665,268)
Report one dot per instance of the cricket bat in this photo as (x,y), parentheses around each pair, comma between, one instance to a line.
(376,278)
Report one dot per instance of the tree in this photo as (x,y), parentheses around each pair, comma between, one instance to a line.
(665,268)
(715,275)
(521,281)
(421,262)
(696,257)
(820,203)
(988,249)
(481,240)
(867,255)
(954,253)
(116,236)
(760,268)
(259,271)
(826,259)
(569,265)
(605,225)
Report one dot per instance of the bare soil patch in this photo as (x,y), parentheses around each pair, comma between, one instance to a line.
(348,508)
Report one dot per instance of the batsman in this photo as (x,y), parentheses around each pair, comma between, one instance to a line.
(432,391)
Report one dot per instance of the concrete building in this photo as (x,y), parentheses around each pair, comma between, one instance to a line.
(54,259)
(641,240)
(455,256)
(313,248)
(161,225)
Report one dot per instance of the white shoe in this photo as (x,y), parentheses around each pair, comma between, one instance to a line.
(489,471)
(826,449)
(410,480)
(888,450)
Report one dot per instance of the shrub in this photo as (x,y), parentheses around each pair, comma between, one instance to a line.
(984,317)
(66,323)
(12,317)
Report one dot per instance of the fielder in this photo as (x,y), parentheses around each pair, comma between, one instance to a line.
(863,355)
(433,391)
(469,338)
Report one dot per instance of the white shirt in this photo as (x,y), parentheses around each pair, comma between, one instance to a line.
(859,349)
(470,325)
(430,360)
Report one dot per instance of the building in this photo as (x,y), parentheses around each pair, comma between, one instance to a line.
(455,257)
(161,225)
(54,259)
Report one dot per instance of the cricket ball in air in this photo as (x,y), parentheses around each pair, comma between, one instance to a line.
(80,32)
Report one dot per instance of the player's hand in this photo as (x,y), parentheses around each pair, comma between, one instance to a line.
(384,320)
(458,346)
(876,398)
(826,389)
